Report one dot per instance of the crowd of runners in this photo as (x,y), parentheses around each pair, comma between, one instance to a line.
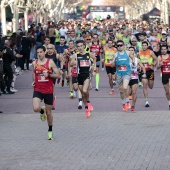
(70,53)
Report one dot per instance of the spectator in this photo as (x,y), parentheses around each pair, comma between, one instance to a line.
(8,58)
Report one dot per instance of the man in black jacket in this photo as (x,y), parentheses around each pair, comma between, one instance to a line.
(8,58)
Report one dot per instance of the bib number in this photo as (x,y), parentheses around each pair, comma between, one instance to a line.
(122,68)
(84,64)
(41,78)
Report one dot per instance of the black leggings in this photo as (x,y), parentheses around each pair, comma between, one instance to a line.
(8,77)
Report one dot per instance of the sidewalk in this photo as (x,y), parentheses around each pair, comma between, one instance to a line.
(112,141)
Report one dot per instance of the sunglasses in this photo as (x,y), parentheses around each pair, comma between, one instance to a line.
(120,45)
(134,41)
(88,39)
(163,34)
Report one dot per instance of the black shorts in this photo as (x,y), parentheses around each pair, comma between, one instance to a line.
(150,75)
(165,78)
(48,98)
(133,81)
(74,80)
(82,77)
(111,70)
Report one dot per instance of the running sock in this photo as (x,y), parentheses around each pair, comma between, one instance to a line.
(97,80)
(127,100)
(50,128)
(80,99)
(123,101)
(146,99)
(41,111)
(112,89)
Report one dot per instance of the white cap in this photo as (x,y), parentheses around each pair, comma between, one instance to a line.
(164,32)
(148,32)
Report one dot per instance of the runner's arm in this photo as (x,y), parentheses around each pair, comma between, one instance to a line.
(55,70)
(33,74)
(113,63)
(154,58)
(92,56)
(159,63)
(142,66)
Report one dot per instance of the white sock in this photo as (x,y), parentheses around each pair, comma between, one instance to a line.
(169,102)
(123,101)
(112,89)
(127,100)
(80,103)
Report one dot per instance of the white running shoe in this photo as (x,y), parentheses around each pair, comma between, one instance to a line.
(13,89)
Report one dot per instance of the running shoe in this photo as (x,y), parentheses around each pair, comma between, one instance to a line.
(112,92)
(124,107)
(79,106)
(146,104)
(67,83)
(128,106)
(43,116)
(102,69)
(130,97)
(50,135)
(97,89)
(71,95)
(169,107)
(90,107)
(140,84)
(132,108)
(87,113)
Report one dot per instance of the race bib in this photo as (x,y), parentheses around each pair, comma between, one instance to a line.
(122,68)
(42,78)
(134,75)
(166,69)
(84,63)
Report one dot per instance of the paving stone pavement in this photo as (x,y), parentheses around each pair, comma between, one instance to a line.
(109,140)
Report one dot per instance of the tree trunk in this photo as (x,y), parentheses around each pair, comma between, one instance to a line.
(26,19)
(3,18)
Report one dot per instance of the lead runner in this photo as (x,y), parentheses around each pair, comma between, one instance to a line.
(43,87)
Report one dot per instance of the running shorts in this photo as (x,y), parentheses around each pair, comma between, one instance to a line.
(48,98)
(82,77)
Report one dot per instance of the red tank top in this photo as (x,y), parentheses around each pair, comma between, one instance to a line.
(165,68)
(95,49)
(43,84)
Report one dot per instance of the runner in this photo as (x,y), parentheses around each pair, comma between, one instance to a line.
(95,47)
(109,53)
(43,87)
(133,83)
(67,55)
(51,54)
(123,71)
(164,64)
(61,64)
(148,59)
(83,60)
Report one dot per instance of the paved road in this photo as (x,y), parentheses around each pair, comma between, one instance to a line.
(110,139)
